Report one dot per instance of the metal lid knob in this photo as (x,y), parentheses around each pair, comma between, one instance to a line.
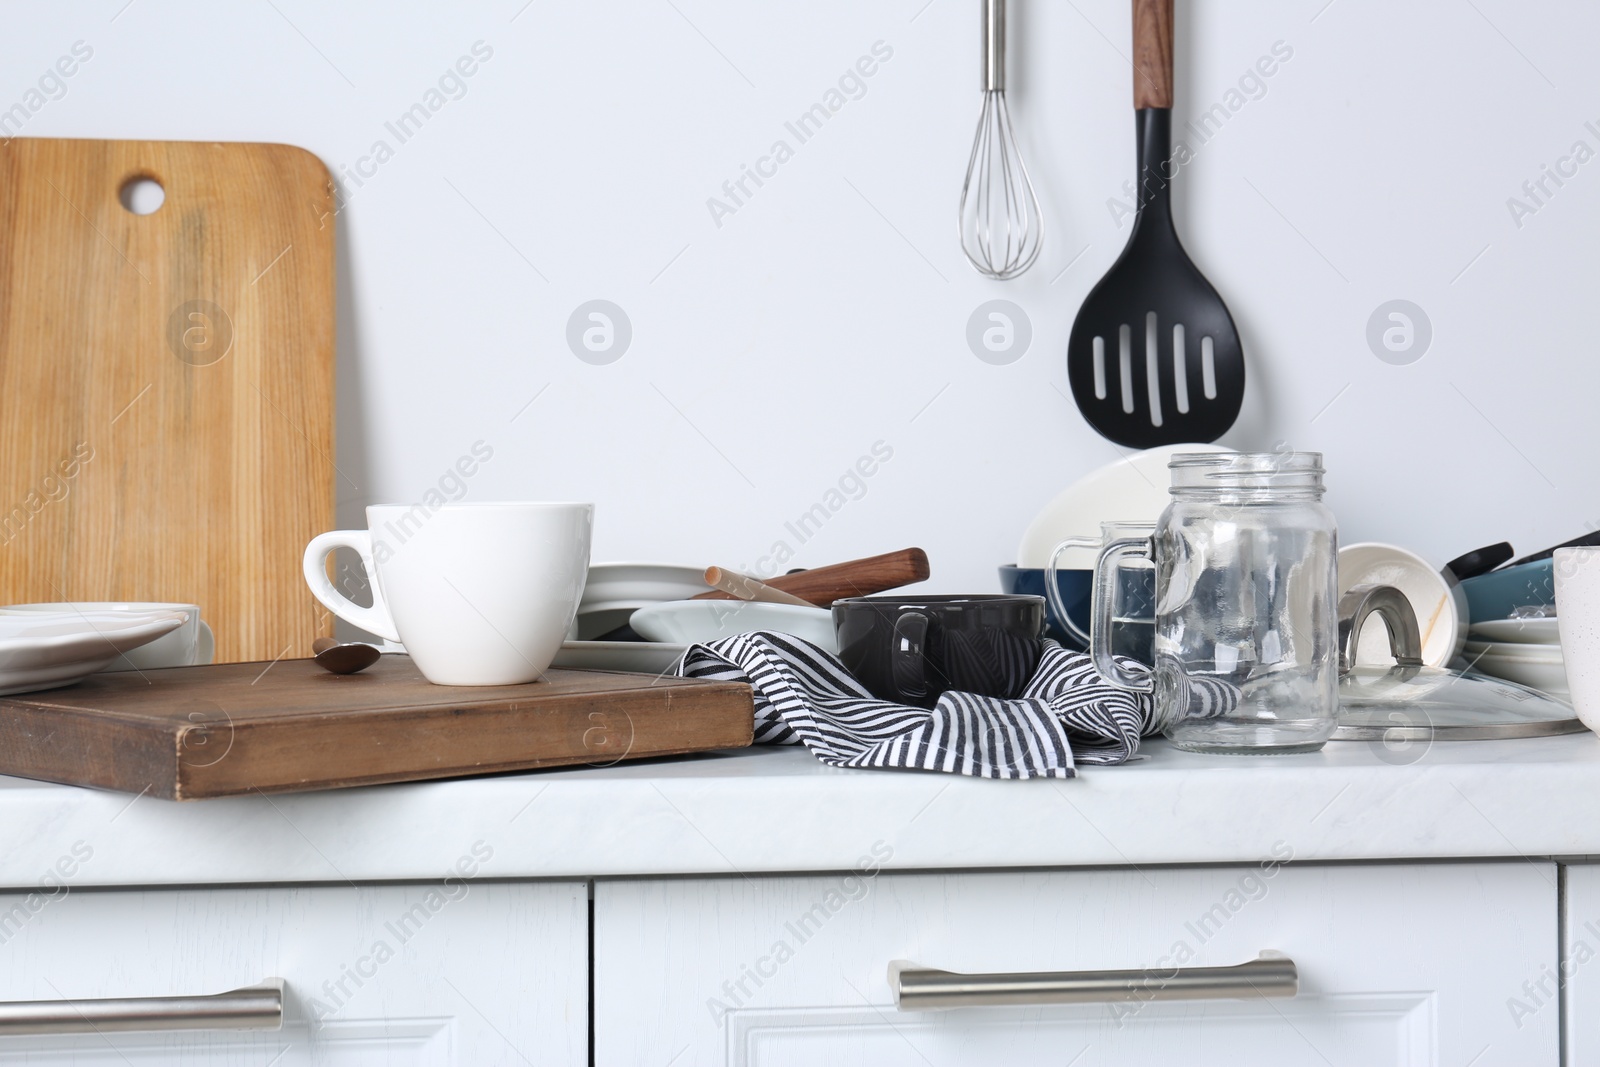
(1405,639)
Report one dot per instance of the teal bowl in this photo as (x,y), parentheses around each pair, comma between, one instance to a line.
(1497,594)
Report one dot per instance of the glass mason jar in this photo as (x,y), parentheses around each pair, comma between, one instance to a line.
(1247,620)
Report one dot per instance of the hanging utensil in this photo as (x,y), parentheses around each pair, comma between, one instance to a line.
(999,222)
(1588,540)
(1154,358)
(1479,560)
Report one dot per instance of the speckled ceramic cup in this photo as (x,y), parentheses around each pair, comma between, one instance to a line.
(1577,578)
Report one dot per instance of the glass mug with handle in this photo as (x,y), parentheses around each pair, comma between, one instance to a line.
(1131,624)
(1246,613)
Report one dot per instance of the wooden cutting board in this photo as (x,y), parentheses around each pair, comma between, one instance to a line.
(166,381)
(224,730)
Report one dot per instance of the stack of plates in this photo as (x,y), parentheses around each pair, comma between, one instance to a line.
(1520,650)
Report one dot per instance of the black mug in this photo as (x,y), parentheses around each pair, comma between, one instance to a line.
(912,649)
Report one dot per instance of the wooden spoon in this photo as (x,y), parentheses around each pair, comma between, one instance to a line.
(858,577)
(745,587)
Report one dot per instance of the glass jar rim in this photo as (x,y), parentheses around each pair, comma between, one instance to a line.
(1263,475)
(1249,462)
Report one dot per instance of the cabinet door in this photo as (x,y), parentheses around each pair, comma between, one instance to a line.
(1579,971)
(1397,965)
(463,973)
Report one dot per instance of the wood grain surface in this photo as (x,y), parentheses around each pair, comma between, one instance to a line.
(860,577)
(1152,53)
(166,381)
(228,729)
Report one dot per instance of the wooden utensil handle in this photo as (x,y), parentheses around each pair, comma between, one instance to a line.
(858,577)
(1152,53)
(744,587)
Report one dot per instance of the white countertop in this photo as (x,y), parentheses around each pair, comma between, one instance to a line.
(778,809)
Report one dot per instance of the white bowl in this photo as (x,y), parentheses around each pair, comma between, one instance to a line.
(1440,605)
(685,622)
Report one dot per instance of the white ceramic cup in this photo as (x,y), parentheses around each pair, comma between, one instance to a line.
(480,594)
(187,646)
(1577,579)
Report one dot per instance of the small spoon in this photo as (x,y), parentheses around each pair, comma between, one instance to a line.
(343,658)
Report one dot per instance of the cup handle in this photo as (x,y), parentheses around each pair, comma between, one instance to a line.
(1106,572)
(376,619)
(205,644)
(905,655)
(1052,591)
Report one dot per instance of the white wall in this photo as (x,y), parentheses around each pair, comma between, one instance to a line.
(829,312)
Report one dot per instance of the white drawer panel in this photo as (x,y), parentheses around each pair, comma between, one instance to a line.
(465,973)
(1579,970)
(1404,965)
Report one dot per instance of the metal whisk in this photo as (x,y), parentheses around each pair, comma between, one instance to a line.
(1000,224)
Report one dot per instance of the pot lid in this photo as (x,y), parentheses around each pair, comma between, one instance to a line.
(1412,702)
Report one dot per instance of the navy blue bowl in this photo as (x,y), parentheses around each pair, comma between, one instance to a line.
(1074,587)
(1136,600)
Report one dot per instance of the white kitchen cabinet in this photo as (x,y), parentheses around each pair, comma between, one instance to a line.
(1398,964)
(467,973)
(1579,970)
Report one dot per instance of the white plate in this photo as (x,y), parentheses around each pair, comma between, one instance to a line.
(1511,651)
(692,621)
(1517,631)
(590,624)
(1132,489)
(44,651)
(613,591)
(637,584)
(640,657)
(1548,678)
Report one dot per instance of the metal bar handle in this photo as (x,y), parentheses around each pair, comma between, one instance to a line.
(920,989)
(257,1007)
(994,45)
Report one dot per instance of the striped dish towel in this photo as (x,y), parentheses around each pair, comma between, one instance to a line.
(805,696)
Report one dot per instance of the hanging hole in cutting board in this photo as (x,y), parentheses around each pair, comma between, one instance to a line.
(142,195)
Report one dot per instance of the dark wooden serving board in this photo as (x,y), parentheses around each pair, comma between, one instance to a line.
(236,728)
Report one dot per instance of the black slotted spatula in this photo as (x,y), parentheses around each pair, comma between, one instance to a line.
(1154,358)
